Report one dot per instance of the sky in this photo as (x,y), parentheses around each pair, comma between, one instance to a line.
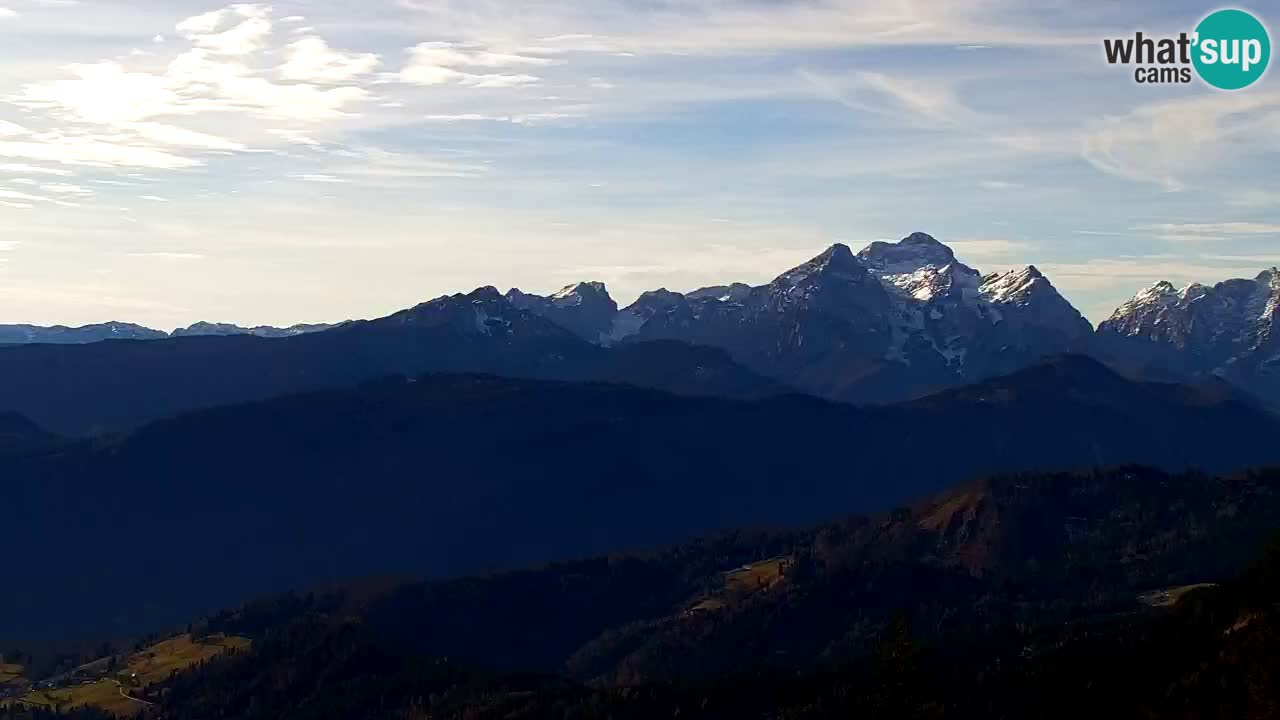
(170,161)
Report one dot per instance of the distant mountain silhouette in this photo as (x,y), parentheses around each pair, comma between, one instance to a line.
(62,335)
(266,331)
(113,386)
(447,475)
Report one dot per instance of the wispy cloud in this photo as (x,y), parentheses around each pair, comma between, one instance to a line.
(989,248)
(1252,198)
(998,185)
(1167,142)
(320,177)
(1208,232)
(469,64)
(1269,260)
(740,26)
(160,255)
(25,169)
(910,101)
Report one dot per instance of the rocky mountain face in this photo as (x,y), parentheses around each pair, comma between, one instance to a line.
(1229,330)
(894,321)
(585,309)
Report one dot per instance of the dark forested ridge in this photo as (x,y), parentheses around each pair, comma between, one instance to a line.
(18,434)
(446,476)
(1031,595)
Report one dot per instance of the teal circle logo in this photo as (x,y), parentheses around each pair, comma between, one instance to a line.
(1232,49)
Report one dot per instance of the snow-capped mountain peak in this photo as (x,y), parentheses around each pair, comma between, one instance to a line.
(908,309)
(1232,315)
(1015,285)
(920,268)
(929,282)
(579,293)
(912,253)
(1151,306)
(1161,293)
(1229,330)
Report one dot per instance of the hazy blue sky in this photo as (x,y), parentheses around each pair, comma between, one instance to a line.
(166,161)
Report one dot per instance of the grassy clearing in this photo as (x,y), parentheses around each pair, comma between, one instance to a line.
(104,695)
(150,665)
(756,576)
(176,654)
(744,582)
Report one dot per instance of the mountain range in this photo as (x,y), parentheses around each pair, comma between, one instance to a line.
(108,387)
(61,335)
(1230,330)
(447,475)
(901,320)
(892,322)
